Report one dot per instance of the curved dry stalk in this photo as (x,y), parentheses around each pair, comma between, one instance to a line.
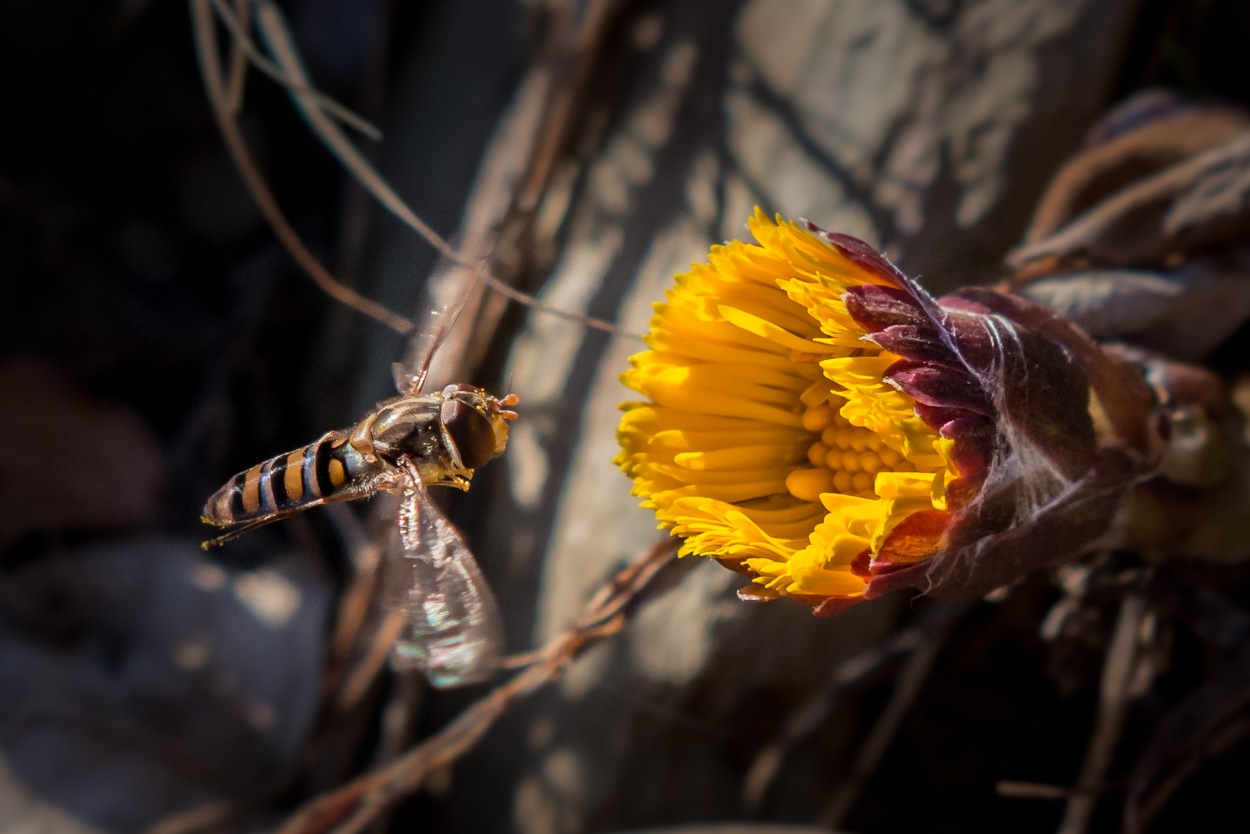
(1113,703)
(246,51)
(910,681)
(314,105)
(358,804)
(272,24)
(238,59)
(808,718)
(353,604)
(277,34)
(214,83)
(1230,735)
(197,818)
(1030,790)
(356,681)
(532,302)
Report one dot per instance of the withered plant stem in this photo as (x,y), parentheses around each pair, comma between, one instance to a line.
(1113,701)
(210,67)
(358,804)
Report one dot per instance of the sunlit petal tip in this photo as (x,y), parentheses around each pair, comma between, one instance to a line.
(819,423)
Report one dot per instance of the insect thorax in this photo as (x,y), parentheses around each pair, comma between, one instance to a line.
(411,427)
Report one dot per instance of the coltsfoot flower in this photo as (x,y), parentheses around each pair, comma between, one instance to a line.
(819,423)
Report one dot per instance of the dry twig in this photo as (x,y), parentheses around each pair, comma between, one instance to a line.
(313,107)
(1113,700)
(318,109)
(1210,720)
(238,22)
(196,818)
(1140,814)
(1031,790)
(910,681)
(214,83)
(356,805)
(518,166)
(362,675)
(238,59)
(808,718)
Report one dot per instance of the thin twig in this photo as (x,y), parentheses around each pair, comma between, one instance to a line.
(577,34)
(520,660)
(486,225)
(314,105)
(281,45)
(210,67)
(878,742)
(811,715)
(1031,790)
(523,154)
(194,819)
(344,685)
(397,720)
(407,688)
(1209,749)
(356,805)
(343,716)
(357,682)
(238,58)
(1117,672)
(243,43)
(1038,790)
(532,302)
(272,25)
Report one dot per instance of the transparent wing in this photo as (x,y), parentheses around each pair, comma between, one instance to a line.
(453,633)
(447,292)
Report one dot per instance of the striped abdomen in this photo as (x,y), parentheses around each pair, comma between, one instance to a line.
(328,469)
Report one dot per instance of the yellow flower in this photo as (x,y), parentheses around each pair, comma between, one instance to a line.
(772,439)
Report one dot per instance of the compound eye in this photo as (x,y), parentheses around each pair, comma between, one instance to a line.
(470,431)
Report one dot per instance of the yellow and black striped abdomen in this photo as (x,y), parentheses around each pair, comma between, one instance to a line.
(326,470)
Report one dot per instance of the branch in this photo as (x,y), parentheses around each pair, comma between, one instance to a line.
(245,48)
(238,58)
(281,45)
(210,68)
(353,807)
(812,715)
(910,681)
(1113,701)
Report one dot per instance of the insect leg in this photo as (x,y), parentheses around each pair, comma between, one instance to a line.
(363,490)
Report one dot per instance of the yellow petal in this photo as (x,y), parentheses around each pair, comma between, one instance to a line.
(769,438)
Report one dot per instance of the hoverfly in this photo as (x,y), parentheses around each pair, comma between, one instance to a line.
(453,630)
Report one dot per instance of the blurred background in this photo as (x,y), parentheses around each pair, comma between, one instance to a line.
(157,337)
